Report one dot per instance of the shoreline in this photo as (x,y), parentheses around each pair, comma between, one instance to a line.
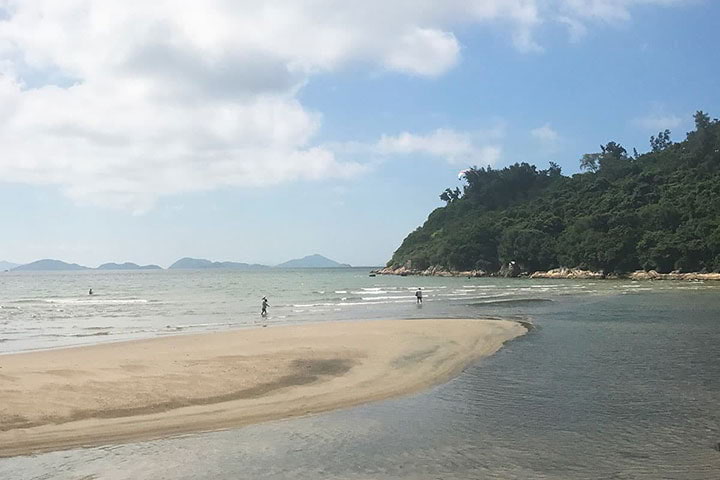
(151,388)
(557,273)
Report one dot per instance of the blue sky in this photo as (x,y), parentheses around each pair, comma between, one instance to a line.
(154,134)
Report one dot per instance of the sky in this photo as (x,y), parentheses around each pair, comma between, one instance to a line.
(259,131)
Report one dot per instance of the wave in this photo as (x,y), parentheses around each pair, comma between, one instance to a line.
(78,301)
(199,325)
(96,334)
(70,335)
(511,302)
(393,297)
(311,305)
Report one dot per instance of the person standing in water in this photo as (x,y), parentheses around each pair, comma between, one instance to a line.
(90,292)
(418,295)
(265,304)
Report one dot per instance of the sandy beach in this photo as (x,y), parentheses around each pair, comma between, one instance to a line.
(57,399)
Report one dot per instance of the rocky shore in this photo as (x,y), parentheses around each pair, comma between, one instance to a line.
(430,272)
(511,270)
(653,275)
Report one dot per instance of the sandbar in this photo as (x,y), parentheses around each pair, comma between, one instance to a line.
(144,389)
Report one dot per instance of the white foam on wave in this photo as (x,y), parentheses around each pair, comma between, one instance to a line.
(392,297)
(311,305)
(78,301)
(200,325)
(349,304)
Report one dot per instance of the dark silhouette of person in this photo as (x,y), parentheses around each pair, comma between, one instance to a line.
(418,295)
(90,292)
(265,305)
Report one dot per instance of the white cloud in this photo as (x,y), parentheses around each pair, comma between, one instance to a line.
(609,10)
(656,122)
(121,102)
(576,29)
(452,146)
(424,52)
(545,134)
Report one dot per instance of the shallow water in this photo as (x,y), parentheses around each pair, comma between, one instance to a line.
(618,380)
(53,309)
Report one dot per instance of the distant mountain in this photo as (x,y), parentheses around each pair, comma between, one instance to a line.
(312,261)
(48,265)
(201,264)
(7,265)
(127,266)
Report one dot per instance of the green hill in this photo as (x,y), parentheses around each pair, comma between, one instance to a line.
(659,210)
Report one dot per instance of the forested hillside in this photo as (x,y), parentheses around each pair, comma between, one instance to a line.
(659,210)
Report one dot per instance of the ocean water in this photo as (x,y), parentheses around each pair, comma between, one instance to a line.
(618,379)
(54,309)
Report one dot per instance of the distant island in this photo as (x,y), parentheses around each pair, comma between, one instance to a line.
(48,265)
(7,265)
(656,212)
(127,266)
(201,263)
(312,261)
(187,263)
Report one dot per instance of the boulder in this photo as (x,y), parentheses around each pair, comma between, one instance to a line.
(510,269)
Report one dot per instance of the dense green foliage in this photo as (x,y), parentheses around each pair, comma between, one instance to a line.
(659,210)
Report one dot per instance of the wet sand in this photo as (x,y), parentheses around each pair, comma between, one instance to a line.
(108,393)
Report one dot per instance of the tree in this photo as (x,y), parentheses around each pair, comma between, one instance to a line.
(450,195)
(554,171)
(702,121)
(614,150)
(532,249)
(661,142)
(611,161)
(657,210)
(590,162)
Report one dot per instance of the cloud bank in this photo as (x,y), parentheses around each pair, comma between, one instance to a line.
(121,102)
(450,145)
(656,122)
(545,134)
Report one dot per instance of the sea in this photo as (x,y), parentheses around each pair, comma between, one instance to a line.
(616,379)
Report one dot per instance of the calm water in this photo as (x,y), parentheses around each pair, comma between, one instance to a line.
(620,380)
(48,310)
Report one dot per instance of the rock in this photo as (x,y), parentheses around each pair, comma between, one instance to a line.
(568,273)
(643,275)
(511,269)
(690,277)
